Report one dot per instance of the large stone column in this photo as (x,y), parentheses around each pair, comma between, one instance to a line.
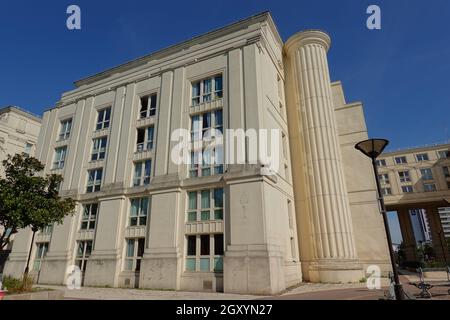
(409,240)
(327,250)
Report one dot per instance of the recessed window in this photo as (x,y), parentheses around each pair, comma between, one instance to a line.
(384,178)
(381,162)
(446,171)
(66,127)
(209,257)
(142,173)
(103,119)
(94,180)
(429,187)
(404,176)
(134,252)
(407,189)
(444,154)
(148,106)
(89,217)
(41,251)
(386,191)
(139,211)
(205,205)
(99,149)
(207,90)
(60,158)
(144,139)
(84,250)
(426,173)
(28,147)
(400,160)
(422,157)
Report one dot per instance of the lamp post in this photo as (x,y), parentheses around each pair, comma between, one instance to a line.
(372,148)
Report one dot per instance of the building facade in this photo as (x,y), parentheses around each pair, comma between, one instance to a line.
(417,180)
(144,220)
(19,131)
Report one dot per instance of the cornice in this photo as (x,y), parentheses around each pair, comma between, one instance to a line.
(307,37)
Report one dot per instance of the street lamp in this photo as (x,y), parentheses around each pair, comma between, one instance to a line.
(372,148)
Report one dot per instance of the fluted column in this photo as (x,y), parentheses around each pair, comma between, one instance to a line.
(326,200)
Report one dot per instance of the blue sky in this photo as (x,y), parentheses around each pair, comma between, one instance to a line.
(401,73)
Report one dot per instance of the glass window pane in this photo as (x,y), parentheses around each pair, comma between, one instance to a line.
(190,264)
(207,86)
(130,248)
(218,214)
(141,245)
(204,264)
(218,264)
(204,245)
(134,207)
(192,200)
(218,244)
(128,265)
(205,199)
(191,245)
(192,216)
(218,198)
(205,215)
(218,83)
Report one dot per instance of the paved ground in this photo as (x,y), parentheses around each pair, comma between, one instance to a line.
(305,291)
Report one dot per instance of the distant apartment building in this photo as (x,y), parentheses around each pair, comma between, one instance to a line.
(19,130)
(416,183)
(144,220)
(444,214)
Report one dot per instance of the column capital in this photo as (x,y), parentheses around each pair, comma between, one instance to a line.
(306,37)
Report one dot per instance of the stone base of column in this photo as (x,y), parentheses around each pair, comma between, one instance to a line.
(102,270)
(333,271)
(248,270)
(160,270)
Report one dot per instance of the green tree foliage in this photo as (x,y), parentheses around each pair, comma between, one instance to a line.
(28,198)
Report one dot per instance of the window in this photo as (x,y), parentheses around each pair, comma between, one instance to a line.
(103,119)
(28,147)
(400,160)
(446,171)
(386,191)
(94,180)
(41,251)
(210,208)
(427,174)
(207,90)
(148,106)
(89,216)
(135,251)
(429,187)
(48,229)
(142,172)
(384,178)
(407,189)
(139,212)
(84,249)
(448,184)
(66,126)
(381,163)
(422,157)
(404,176)
(444,154)
(60,157)
(144,139)
(99,149)
(205,253)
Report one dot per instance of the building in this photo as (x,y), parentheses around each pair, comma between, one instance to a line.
(420,225)
(444,214)
(417,181)
(19,130)
(144,220)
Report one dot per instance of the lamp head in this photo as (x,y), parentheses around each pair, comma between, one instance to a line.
(372,147)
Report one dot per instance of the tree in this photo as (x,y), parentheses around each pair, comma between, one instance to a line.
(28,198)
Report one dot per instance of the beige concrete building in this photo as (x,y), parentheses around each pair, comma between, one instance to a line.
(145,221)
(19,130)
(418,179)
